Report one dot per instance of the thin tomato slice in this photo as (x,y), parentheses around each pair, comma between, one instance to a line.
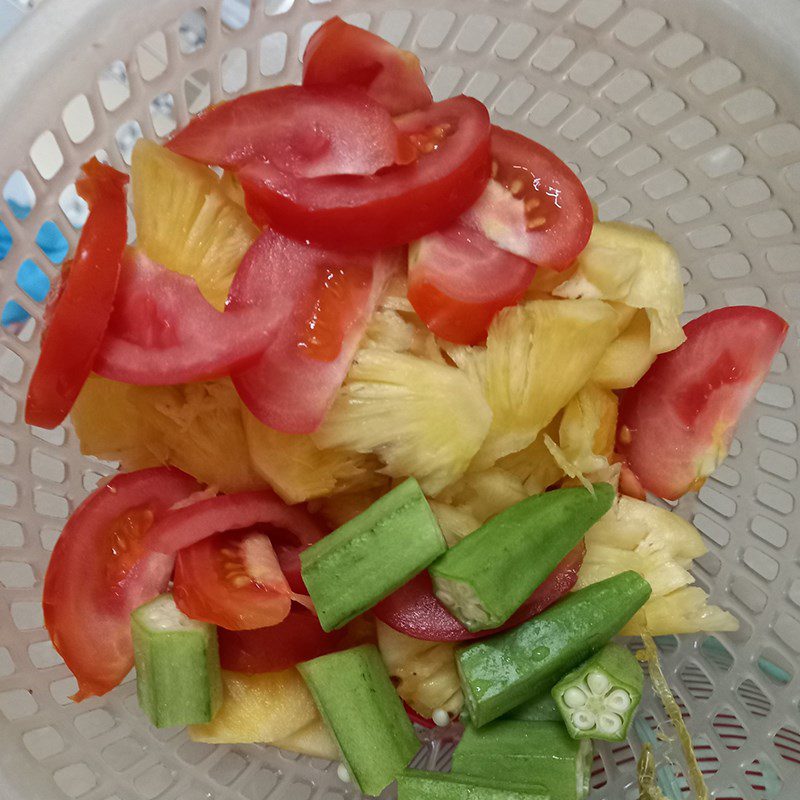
(233,580)
(80,304)
(163,331)
(397,205)
(100,572)
(535,207)
(344,55)
(458,280)
(303,131)
(676,424)
(327,298)
(415,611)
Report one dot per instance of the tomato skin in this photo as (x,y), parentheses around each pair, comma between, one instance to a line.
(344,55)
(458,281)
(312,131)
(298,638)
(397,205)
(97,574)
(415,611)
(79,307)
(677,422)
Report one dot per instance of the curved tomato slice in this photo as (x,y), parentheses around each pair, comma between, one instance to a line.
(535,207)
(344,55)
(329,298)
(232,580)
(397,205)
(677,422)
(188,525)
(298,638)
(79,307)
(458,280)
(415,611)
(163,331)
(303,131)
(100,572)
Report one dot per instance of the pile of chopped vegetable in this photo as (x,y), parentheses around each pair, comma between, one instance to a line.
(386,402)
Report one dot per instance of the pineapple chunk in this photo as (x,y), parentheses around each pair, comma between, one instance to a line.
(455,522)
(628,357)
(636,267)
(535,465)
(186,219)
(341,508)
(298,470)
(686,611)
(425,672)
(420,418)
(483,494)
(314,740)
(537,357)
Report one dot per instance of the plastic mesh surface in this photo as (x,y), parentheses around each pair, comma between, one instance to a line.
(666,128)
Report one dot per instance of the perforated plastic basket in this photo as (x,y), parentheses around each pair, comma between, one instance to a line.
(678,115)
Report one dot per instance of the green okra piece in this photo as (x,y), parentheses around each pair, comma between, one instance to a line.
(530,754)
(417,785)
(502,671)
(540,709)
(487,576)
(598,699)
(356,566)
(355,696)
(178,679)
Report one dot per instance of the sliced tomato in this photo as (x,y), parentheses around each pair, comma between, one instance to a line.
(233,580)
(100,572)
(535,207)
(677,422)
(79,306)
(343,55)
(327,298)
(188,525)
(303,131)
(415,611)
(393,207)
(298,638)
(458,280)
(163,331)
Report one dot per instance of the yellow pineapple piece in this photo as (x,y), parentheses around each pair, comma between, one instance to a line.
(537,356)
(535,465)
(425,673)
(628,357)
(455,522)
(340,508)
(545,280)
(186,219)
(314,740)
(419,417)
(481,494)
(636,267)
(684,611)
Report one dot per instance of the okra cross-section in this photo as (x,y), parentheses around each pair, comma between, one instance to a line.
(599,698)
(365,560)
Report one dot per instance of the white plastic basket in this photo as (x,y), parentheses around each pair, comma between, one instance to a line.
(677,114)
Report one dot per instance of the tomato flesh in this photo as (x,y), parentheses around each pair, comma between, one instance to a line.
(415,610)
(393,207)
(79,308)
(303,131)
(458,280)
(677,422)
(100,571)
(163,331)
(535,206)
(344,55)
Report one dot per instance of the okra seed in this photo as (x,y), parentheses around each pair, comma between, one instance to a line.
(598,682)
(574,697)
(583,720)
(344,775)
(609,723)
(619,700)
(441,717)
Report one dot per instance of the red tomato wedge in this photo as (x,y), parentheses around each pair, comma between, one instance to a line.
(302,131)
(458,280)
(298,638)
(677,422)
(535,207)
(343,55)
(188,525)
(397,205)
(233,580)
(415,611)
(330,297)
(163,331)
(79,307)
(100,572)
